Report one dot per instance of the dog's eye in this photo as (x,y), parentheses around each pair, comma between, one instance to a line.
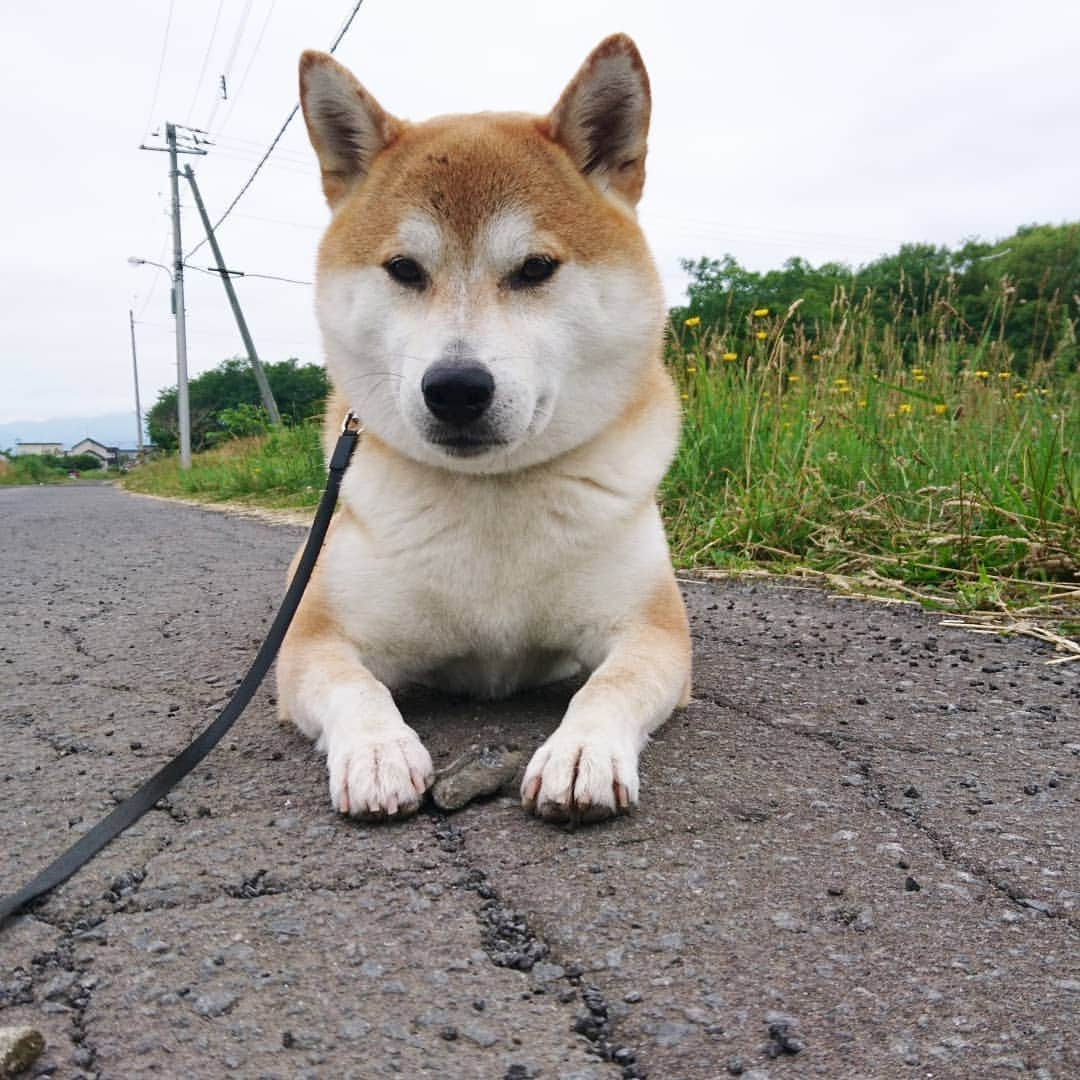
(535,270)
(406,272)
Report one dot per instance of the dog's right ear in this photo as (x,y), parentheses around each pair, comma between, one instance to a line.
(347,126)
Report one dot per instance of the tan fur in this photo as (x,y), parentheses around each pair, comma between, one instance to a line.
(515,566)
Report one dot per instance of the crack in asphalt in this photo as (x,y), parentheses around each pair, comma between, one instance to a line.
(509,940)
(876,790)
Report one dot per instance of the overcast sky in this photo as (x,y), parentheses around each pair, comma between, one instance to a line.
(833,130)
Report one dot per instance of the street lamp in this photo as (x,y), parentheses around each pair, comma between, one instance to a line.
(182,407)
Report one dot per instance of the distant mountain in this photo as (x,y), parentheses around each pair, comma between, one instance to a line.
(112,429)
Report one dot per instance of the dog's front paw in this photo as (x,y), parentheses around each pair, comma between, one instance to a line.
(575,777)
(378,775)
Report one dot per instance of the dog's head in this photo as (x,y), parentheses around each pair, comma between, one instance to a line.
(486,297)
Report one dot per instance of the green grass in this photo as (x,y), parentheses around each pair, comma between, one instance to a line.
(952,479)
(39,469)
(949,478)
(282,469)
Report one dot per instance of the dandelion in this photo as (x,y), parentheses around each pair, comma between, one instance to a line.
(982,374)
(862,403)
(691,371)
(916,371)
(1019,393)
(761,312)
(815,356)
(845,389)
(1004,374)
(761,335)
(729,356)
(792,377)
(940,410)
(904,408)
(920,377)
(686,397)
(694,320)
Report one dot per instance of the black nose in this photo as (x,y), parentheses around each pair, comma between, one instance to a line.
(457,393)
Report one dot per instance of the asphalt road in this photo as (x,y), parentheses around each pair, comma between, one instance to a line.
(862,834)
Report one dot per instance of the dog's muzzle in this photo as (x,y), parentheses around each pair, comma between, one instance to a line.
(457,394)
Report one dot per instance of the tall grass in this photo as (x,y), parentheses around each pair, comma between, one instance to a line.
(281,469)
(949,474)
(923,464)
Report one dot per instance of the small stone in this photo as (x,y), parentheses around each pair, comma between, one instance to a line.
(544,972)
(449,1033)
(784,920)
(911,885)
(911,792)
(478,772)
(59,985)
(20,1047)
(632,997)
(1031,789)
(479,1035)
(735,1066)
(215,1003)
(864,920)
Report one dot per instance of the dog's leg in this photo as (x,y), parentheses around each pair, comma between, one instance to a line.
(587,770)
(378,766)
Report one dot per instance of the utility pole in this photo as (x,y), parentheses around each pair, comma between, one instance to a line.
(135,371)
(226,279)
(182,406)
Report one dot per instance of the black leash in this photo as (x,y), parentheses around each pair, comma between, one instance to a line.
(163,781)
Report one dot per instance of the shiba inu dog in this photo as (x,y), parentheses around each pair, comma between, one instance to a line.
(491,313)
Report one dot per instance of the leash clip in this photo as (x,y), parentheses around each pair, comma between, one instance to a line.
(352,424)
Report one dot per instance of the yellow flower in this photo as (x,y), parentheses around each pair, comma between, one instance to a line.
(1004,374)
(1019,393)
(862,403)
(792,377)
(691,370)
(686,397)
(905,408)
(845,389)
(761,312)
(920,378)
(815,356)
(761,335)
(694,320)
(916,371)
(982,374)
(940,410)
(729,356)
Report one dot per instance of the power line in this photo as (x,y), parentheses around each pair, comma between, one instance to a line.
(247,70)
(240,28)
(245,274)
(205,59)
(161,68)
(277,138)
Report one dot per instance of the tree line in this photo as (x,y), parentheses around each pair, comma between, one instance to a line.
(1023,290)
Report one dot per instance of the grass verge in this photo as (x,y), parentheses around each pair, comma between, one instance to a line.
(952,480)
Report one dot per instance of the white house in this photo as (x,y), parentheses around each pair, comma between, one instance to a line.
(92,446)
(39,448)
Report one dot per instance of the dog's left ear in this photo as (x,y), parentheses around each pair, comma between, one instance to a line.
(602,118)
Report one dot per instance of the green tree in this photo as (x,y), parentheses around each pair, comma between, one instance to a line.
(299,389)
(1023,291)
